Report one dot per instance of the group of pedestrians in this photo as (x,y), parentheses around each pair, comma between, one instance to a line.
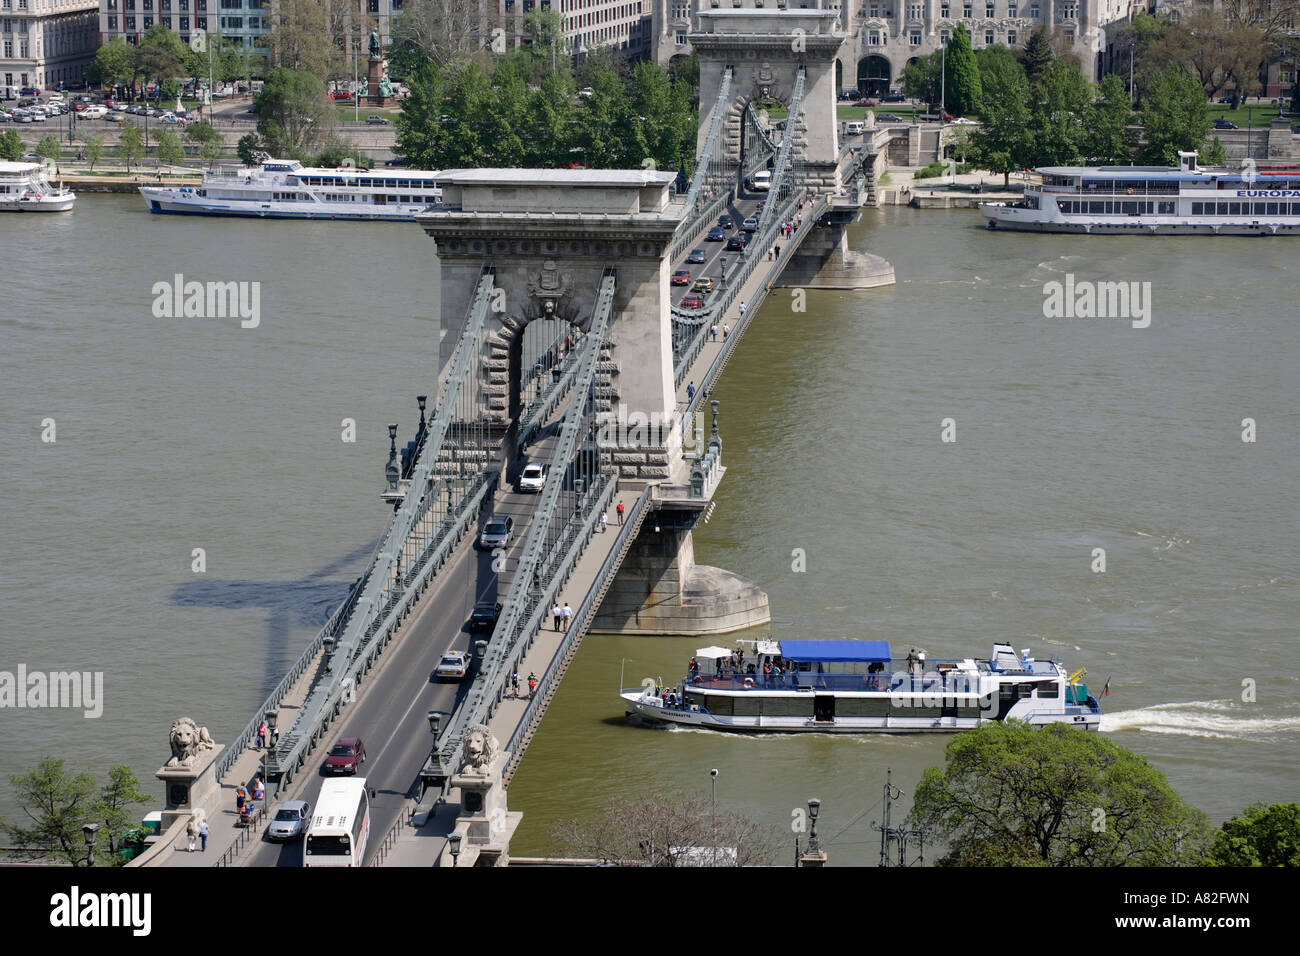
(262,734)
(514,684)
(199,832)
(562,616)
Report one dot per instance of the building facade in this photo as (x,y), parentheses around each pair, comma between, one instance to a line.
(44,43)
(885,35)
(623,26)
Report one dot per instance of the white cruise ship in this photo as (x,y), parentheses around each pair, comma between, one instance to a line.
(1157,200)
(24,188)
(285,189)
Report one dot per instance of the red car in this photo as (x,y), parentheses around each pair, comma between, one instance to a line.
(681,277)
(348,754)
(340,95)
(692,301)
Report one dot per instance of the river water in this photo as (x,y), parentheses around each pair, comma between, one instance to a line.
(842,499)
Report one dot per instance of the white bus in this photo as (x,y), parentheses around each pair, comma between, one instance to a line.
(340,825)
(762,180)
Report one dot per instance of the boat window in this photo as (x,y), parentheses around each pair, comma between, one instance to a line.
(746,706)
(1272,209)
(857,707)
(721,706)
(1167,208)
(696,700)
(791,706)
(1049,689)
(1259,209)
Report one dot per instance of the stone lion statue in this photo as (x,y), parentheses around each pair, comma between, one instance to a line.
(480,749)
(188,740)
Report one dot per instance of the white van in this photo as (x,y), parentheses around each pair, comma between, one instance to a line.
(93,112)
(762,181)
(855,128)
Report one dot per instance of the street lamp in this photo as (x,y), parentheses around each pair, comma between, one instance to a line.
(713,775)
(88,831)
(814,805)
(454,841)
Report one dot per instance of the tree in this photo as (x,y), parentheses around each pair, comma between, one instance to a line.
(1175,116)
(161,54)
(1058,796)
(170,150)
(668,123)
(1038,55)
(921,78)
(301,39)
(1263,835)
(553,112)
(12,146)
(420,133)
(963,83)
(1057,115)
(94,150)
(113,65)
(292,112)
(608,136)
(57,805)
(48,148)
(655,829)
(130,145)
(442,33)
(250,149)
(112,808)
(1004,141)
(1108,139)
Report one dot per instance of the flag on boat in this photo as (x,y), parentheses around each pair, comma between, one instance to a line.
(1105,691)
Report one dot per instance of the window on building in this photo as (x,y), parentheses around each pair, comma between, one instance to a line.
(915,11)
(914,38)
(966,9)
(1011,9)
(681,39)
(1068,11)
(185,23)
(988,9)
(1033,11)
(112,23)
(1011,38)
(988,37)
(945,10)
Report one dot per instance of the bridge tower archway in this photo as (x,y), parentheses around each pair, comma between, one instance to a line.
(874,76)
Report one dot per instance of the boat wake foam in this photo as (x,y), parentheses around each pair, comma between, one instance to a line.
(1199,718)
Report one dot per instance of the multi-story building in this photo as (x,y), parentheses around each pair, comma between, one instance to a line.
(885,35)
(46,42)
(624,26)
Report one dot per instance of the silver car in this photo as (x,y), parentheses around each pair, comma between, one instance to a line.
(497,532)
(290,820)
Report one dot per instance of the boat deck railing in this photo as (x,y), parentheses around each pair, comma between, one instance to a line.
(895,682)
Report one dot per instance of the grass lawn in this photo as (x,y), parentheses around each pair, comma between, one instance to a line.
(1255,116)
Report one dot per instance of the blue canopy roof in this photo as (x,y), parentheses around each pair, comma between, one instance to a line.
(835,650)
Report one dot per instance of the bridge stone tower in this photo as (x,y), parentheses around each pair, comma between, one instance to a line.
(550,234)
(765,49)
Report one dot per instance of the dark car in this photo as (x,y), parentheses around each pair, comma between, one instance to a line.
(696,256)
(716,235)
(726,222)
(692,301)
(484,616)
(888,118)
(735,243)
(377,121)
(1225,124)
(348,754)
(1228,98)
(395,161)
(893,96)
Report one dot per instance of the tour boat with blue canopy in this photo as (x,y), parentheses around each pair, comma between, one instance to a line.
(1254,200)
(861,687)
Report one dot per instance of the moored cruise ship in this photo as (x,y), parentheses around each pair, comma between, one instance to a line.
(285,189)
(1157,200)
(24,188)
(859,687)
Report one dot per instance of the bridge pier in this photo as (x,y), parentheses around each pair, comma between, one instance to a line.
(825,261)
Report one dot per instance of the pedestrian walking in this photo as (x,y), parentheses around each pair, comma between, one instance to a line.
(203,837)
(191,835)
(604,522)
(556,614)
(532,684)
(275,736)
(799,221)
(514,683)
(261,736)
(742,310)
(713,331)
(619,511)
(690,391)
(726,330)
(778,252)
(568,615)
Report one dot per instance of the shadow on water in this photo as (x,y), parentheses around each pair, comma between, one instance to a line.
(305,603)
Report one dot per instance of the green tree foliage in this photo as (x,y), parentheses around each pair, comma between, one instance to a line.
(250,149)
(292,113)
(1263,835)
(301,40)
(963,93)
(1037,55)
(607,134)
(1175,115)
(339,154)
(94,150)
(161,54)
(48,147)
(57,805)
(1004,141)
(113,65)
(1108,139)
(663,109)
(921,78)
(130,145)
(170,150)
(116,798)
(1059,796)
(12,146)
(1058,107)
(553,112)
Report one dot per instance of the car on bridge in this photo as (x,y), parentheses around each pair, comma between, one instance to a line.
(532,478)
(290,821)
(497,532)
(749,225)
(453,666)
(692,301)
(697,256)
(703,284)
(348,754)
(716,234)
(726,222)
(681,277)
(484,616)
(736,244)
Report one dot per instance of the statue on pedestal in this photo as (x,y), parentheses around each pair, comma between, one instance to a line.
(375,48)
(188,741)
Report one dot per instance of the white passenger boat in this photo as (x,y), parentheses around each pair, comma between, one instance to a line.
(1261,200)
(859,687)
(24,188)
(285,189)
